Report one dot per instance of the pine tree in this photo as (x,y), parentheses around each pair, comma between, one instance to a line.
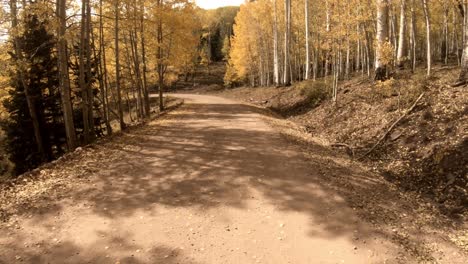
(41,77)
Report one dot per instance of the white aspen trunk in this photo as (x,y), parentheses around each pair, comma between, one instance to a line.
(276,73)
(463,77)
(393,35)
(445,41)
(382,38)
(307,44)
(348,59)
(428,37)
(413,38)
(401,56)
(287,36)
(117,66)
(358,49)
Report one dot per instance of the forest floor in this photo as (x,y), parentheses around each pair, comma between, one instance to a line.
(217,181)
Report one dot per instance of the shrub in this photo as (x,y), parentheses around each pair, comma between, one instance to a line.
(314,91)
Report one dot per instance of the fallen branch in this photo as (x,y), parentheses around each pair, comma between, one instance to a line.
(350,148)
(458,84)
(393,126)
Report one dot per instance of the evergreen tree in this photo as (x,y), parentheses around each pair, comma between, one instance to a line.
(42,84)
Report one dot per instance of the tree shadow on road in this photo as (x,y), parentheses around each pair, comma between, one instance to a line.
(207,155)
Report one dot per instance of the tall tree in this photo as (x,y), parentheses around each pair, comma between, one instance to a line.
(21,74)
(463,77)
(287,39)
(402,48)
(307,41)
(83,76)
(160,56)
(64,76)
(276,66)
(428,36)
(117,64)
(382,40)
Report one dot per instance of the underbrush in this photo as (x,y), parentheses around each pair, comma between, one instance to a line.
(314,91)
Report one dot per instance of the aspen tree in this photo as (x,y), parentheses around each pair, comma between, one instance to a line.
(382,39)
(401,57)
(428,36)
(287,39)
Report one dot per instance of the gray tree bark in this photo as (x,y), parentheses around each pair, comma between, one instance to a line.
(64,76)
(117,66)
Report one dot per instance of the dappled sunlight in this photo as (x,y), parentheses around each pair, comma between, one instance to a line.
(207,166)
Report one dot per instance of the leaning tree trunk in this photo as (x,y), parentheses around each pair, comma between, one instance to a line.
(382,39)
(402,52)
(287,37)
(64,78)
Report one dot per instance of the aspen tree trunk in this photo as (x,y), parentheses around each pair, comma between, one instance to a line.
(382,39)
(456,43)
(160,57)
(358,49)
(276,73)
(445,41)
(327,29)
(103,70)
(287,37)
(100,77)
(82,76)
(117,66)
(401,56)
(368,52)
(64,77)
(89,72)
(393,34)
(21,72)
(134,40)
(413,38)
(463,77)
(143,59)
(428,37)
(307,44)
(136,68)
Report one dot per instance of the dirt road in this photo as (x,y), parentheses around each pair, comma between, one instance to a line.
(211,182)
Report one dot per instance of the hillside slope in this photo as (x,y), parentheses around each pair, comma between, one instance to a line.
(425,152)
